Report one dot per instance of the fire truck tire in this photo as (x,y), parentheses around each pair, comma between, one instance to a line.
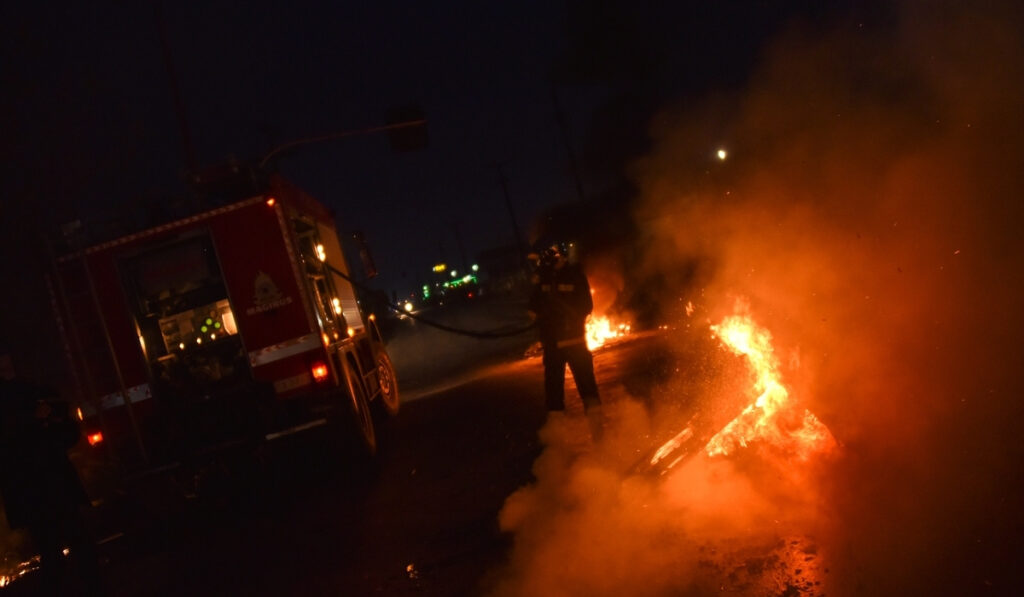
(360,409)
(388,384)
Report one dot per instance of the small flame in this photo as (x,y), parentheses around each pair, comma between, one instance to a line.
(772,417)
(601,330)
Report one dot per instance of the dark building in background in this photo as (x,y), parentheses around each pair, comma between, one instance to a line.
(503,269)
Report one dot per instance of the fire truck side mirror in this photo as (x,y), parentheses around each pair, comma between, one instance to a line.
(369,267)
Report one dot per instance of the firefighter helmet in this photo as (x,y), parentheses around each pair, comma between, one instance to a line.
(551,255)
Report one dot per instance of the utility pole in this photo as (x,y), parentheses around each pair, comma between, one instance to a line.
(511,212)
(172,77)
(462,248)
(564,129)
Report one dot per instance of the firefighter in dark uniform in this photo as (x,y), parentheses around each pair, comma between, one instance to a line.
(560,302)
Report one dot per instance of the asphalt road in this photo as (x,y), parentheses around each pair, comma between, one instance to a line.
(421,518)
(472,481)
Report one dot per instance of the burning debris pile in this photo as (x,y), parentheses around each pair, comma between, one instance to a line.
(701,517)
(772,423)
(772,418)
(708,510)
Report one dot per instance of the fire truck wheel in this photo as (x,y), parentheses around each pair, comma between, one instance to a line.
(361,415)
(388,383)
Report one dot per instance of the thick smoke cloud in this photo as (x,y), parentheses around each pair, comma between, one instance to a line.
(869,211)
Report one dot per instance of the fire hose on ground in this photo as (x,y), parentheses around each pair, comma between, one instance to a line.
(486,335)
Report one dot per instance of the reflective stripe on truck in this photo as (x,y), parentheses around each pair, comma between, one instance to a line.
(283,350)
(135,394)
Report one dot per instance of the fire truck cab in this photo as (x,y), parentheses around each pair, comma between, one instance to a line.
(233,327)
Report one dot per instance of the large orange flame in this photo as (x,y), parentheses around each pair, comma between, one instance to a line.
(601,330)
(772,418)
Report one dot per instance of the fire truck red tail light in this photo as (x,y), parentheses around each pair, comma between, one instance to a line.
(319,371)
(94,438)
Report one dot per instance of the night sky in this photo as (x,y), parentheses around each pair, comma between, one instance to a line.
(92,131)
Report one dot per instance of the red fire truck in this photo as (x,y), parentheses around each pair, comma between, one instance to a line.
(228,329)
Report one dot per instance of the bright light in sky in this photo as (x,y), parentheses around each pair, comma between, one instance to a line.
(722,154)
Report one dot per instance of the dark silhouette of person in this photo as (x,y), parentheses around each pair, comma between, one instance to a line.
(560,302)
(42,491)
